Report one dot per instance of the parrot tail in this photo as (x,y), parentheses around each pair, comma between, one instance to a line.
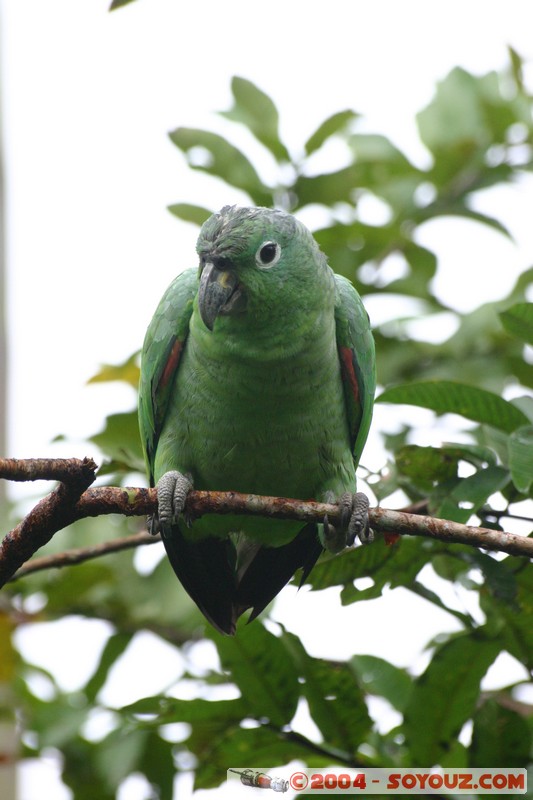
(272,567)
(207,571)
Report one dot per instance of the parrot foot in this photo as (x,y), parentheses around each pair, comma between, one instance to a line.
(153,524)
(172,490)
(354,522)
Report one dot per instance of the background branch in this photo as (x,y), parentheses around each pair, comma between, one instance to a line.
(73,500)
(51,514)
(78,555)
(69,470)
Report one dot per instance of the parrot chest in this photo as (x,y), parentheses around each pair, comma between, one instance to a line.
(273,427)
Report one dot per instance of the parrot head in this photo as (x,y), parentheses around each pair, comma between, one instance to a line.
(259,265)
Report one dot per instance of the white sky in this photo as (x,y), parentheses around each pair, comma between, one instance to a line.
(88,99)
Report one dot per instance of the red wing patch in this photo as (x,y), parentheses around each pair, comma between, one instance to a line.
(390,538)
(348,371)
(171,365)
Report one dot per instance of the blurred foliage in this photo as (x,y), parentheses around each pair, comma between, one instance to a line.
(478,132)
(118,4)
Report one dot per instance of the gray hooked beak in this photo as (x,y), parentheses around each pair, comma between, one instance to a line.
(219,293)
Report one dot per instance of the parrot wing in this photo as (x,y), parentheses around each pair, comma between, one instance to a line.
(355,345)
(162,351)
(270,568)
(203,567)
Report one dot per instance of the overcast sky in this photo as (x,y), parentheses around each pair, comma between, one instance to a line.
(88,100)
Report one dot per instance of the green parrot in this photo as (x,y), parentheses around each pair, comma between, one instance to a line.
(257,376)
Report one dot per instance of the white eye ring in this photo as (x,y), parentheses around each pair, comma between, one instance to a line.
(268,254)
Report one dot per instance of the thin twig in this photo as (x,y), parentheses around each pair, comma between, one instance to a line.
(77,555)
(336,755)
(452,532)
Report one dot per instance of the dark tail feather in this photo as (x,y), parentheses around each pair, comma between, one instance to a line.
(205,569)
(272,567)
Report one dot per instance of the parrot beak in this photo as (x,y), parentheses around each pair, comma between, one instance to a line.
(219,293)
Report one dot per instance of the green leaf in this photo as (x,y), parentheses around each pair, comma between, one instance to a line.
(455,116)
(120,754)
(458,208)
(162,710)
(238,747)
(513,618)
(374,148)
(500,578)
(449,397)
(335,699)
(59,722)
(477,488)
(255,109)
(460,499)
(378,166)
(190,213)
(381,678)
(500,736)
(518,320)
(259,664)
(350,246)
(525,403)
(157,764)
(444,697)
(120,440)
(119,3)
(423,265)
(114,648)
(426,465)
(213,154)
(517,69)
(475,454)
(384,171)
(387,565)
(337,123)
(467,118)
(521,458)
(344,568)
(215,730)
(83,773)
(456,561)
(128,372)
(328,188)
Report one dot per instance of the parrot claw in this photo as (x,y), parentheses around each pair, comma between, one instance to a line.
(172,490)
(359,525)
(153,524)
(353,523)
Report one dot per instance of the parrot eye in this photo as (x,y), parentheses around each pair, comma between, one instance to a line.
(268,254)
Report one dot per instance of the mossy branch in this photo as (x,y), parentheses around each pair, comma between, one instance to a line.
(75,499)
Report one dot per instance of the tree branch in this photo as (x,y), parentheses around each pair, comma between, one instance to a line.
(335,754)
(51,514)
(77,555)
(72,500)
(68,470)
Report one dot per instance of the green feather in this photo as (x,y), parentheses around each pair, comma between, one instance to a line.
(353,334)
(162,348)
